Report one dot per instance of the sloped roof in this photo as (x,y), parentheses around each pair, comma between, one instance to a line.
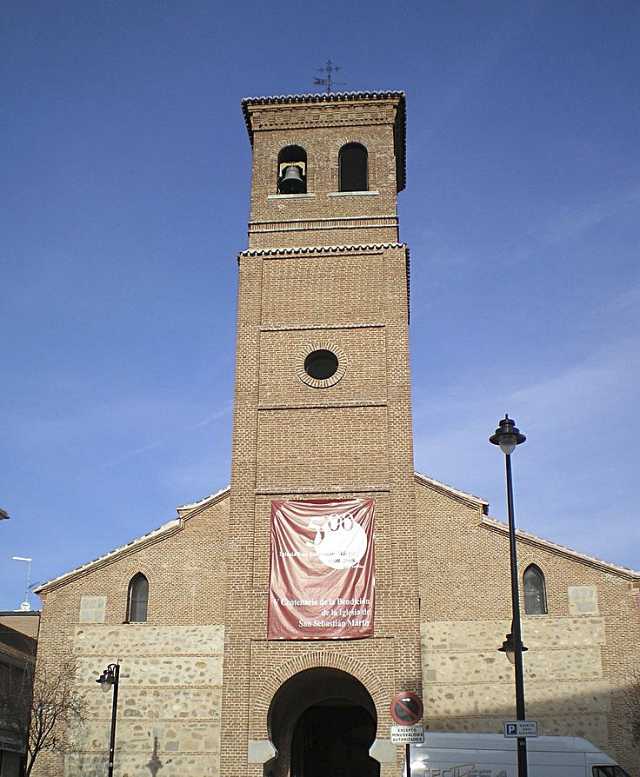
(464,496)
(170,527)
(492,523)
(563,550)
(191,506)
(400,131)
(166,528)
(186,511)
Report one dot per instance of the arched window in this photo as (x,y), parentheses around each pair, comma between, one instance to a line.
(352,162)
(535,595)
(138,599)
(292,170)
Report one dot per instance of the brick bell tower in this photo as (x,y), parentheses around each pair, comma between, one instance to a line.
(322,410)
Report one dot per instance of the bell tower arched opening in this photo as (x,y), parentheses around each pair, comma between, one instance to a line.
(322,721)
(292,170)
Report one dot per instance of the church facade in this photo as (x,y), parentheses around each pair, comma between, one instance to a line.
(224,674)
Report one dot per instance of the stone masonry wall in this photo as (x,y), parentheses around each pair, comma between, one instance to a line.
(168,704)
(470,686)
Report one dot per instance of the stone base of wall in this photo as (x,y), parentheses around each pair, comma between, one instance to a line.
(168,705)
(469,685)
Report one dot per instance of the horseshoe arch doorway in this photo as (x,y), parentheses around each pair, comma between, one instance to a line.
(322,722)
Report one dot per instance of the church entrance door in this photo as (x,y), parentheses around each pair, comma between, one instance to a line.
(333,741)
(322,723)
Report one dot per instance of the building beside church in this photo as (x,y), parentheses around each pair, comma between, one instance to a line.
(18,642)
(264,630)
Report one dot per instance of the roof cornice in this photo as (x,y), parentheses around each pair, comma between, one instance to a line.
(341,249)
(323,97)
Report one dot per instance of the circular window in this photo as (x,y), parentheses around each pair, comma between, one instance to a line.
(321,364)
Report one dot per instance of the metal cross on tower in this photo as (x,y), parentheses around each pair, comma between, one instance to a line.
(329,69)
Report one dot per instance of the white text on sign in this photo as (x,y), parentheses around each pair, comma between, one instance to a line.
(521,728)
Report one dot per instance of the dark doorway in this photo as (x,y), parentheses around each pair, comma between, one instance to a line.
(322,723)
(333,741)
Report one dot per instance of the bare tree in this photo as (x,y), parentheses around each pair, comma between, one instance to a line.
(42,705)
(632,705)
(626,701)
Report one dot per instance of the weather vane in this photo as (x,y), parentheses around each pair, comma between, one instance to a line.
(329,70)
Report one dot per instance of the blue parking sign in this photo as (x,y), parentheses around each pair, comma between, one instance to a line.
(521,728)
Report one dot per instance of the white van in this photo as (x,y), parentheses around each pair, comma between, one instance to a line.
(493,755)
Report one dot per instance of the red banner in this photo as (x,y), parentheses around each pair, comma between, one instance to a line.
(322,569)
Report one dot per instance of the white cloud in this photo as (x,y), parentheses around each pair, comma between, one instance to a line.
(575,220)
(573,479)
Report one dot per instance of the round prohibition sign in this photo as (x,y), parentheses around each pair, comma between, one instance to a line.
(406,708)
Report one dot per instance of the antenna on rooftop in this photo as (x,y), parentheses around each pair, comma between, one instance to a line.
(329,69)
(25,606)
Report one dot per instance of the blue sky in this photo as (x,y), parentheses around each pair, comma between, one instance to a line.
(125,201)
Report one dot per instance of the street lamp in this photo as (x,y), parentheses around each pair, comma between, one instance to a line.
(508,436)
(109,678)
(508,648)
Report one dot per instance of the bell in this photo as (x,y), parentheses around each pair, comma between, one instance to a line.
(292,181)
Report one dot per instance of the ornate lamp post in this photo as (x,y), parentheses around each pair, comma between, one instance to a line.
(507,436)
(109,678)
(508,648)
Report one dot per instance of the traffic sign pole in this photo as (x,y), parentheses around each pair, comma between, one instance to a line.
(406,710)
(521,728)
